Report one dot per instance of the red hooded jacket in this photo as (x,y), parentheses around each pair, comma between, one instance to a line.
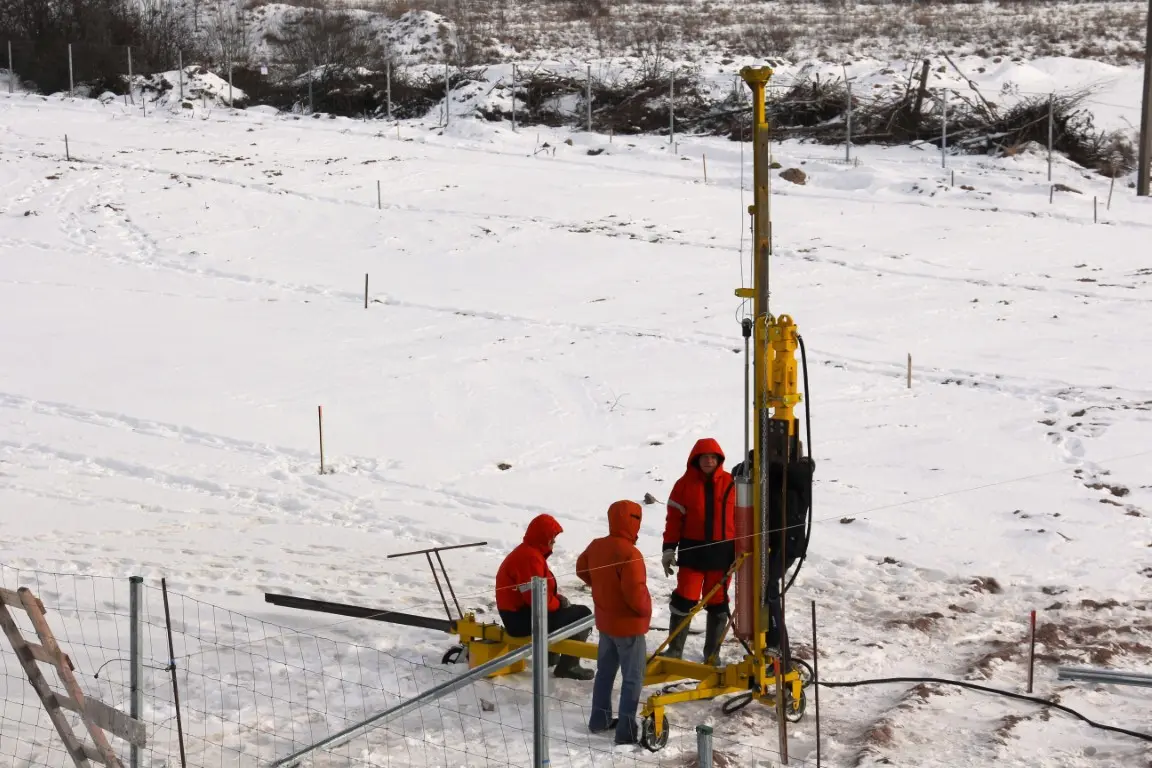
(615,570)
(527,560)
(701,520)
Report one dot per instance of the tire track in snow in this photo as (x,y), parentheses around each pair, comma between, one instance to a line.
(313,487)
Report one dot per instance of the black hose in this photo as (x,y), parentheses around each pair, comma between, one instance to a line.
(808,444)
(985,689)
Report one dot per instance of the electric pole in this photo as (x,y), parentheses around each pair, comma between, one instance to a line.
(1146,114)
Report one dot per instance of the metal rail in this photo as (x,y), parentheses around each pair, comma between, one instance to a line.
(1109,676)
(356,611)
(455,684)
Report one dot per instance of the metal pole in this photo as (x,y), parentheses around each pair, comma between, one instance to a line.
(1143,172)
(311,74)
(447,94)
(671,107)
(513,98)
(1050,122)
(172,668)
(944,133)
(130,74)
(455,684)
(746,330)
(1109,676)
(180,64)
(588,96)
(136,657)
(388,79)
(816,679)
(540,672)
(71,88)
(848,140)
(703,746)
(230,99)
(11,70)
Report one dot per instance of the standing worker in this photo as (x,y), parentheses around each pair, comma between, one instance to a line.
(514,600)
(615,570)
(701,524)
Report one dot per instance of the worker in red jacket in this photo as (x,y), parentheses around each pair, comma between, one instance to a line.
(530,559)
(701,525)
(614,569)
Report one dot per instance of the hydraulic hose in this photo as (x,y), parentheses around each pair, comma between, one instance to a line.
(808,451)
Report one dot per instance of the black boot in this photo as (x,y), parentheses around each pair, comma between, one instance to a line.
(717,623)
(569,668)
(675,647)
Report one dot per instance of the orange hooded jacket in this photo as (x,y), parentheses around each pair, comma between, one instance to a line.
(615,570)
(528,559)
(701,518)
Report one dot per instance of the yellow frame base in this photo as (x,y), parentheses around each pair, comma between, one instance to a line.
(487,641)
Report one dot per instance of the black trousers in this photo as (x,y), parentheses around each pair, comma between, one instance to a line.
(519,623)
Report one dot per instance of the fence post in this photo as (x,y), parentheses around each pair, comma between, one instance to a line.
(231,101)
(172,669)
(540,672)
(311,74)
(447,92)
(671,107)
(588,96)
(129,49)
(388,84)
(180,64)
(136,657)
(704,746)
(1050,122)
(71,87)
(11,70)
(848,140)
(513,97)
(944,133)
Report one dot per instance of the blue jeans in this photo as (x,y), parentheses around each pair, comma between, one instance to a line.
(628,656)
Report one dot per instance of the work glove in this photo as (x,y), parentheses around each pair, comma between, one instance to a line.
(564,602)
(668,559)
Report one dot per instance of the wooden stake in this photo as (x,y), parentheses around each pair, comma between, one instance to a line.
(1051,193)
(365,290)
(704,158)
(1031,650)
(1111,186)
(1095,217)
(320,413)
(909,370)
(379,203)
(67,153)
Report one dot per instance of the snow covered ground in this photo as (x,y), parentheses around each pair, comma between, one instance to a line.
(177,300)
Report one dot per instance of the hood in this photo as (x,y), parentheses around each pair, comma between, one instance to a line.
(705,445)
(624,520)
(540,531)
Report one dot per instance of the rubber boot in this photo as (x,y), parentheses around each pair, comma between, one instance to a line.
(675,647)
(569,668)
(717,622)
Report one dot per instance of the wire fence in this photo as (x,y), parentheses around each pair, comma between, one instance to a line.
(240,691)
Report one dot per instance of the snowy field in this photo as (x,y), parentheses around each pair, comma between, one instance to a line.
(177,300)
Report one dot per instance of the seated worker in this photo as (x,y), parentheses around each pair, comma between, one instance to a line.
(515,606)
(615,570)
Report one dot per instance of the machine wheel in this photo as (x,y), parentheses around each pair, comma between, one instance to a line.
(453,655)
(648,738)
(797,714)
(736,703)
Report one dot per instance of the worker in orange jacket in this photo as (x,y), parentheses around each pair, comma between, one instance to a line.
(514,601)
(615,570)
(699,536)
